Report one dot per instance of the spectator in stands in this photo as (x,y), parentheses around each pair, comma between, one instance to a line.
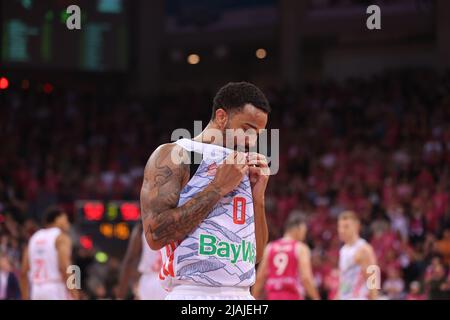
(415,292)
(443,247)
(394,285)
(436,281)
(9,284)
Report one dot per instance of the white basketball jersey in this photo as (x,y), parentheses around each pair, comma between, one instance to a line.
(43,256)
(149,258)
(221,251)
(352,284)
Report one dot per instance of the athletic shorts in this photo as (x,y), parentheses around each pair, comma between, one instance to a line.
(189,292)
(149,287)
(49,291)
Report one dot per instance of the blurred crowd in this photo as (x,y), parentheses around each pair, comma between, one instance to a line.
(379,146)
(326,4)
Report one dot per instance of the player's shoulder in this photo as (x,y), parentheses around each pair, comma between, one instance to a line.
(169,152)
(364,244)
(274,243)
(63,237)
(168,160)
(270,247)
(343,248)
(303,247)
(39,235)
(35,234)
(365,248)
(167,148)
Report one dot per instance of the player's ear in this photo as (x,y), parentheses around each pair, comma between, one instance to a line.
(221,118)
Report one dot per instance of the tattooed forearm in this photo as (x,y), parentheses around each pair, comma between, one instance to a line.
(163,221)
(176,223)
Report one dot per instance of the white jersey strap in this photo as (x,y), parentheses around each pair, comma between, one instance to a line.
(209,151)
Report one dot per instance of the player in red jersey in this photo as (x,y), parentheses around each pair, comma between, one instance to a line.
(285,271)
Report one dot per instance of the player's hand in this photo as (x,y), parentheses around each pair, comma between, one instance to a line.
(230,173)
(259,173)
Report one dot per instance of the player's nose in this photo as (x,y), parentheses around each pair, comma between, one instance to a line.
(250,141)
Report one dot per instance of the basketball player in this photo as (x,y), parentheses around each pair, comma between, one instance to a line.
(355,258)
(209,222)
(45,261)
(285,271)
(148,263)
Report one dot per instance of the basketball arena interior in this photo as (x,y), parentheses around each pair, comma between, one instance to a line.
(359,92)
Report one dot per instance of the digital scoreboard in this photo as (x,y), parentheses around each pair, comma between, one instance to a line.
(106,225)
(35,35)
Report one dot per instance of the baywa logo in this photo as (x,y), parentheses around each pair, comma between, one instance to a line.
(210,246)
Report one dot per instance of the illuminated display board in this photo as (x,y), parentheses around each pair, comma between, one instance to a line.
(106,225)
(34,34)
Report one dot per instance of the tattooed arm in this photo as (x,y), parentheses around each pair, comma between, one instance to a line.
(164,179)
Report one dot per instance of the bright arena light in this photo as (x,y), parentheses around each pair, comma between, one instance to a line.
(4,83)
(101,257)
(193,59)
(261,53)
